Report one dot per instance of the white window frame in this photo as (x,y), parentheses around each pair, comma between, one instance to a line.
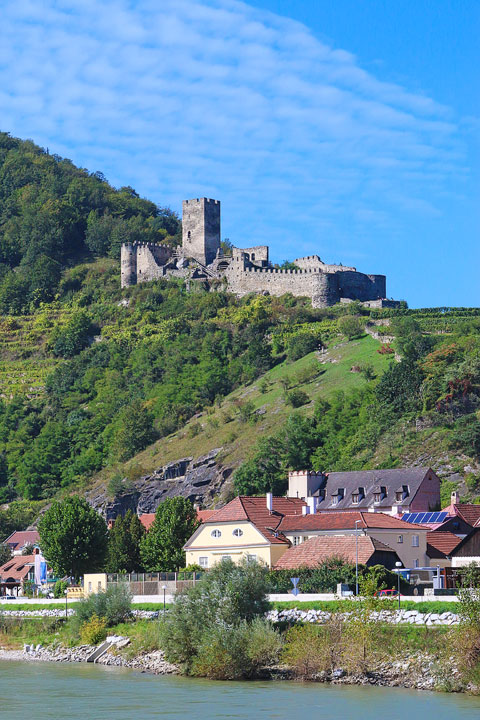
(216,533)
(226,557)
(400,539)
(203,561)
(238,532)
(415,540)
(296,540)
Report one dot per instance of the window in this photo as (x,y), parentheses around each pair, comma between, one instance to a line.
(297,540)
(417,564)
(355,498)
(415,539)
(399,496)
(216,533)
(203,562)
(99,586)
(305,538)
(237,532)
(400,539)
(251,558)
(226,557)
(334,499)
(377,497)
(89,587)
(189,235)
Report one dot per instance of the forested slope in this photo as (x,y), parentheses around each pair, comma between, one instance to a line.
(99,383)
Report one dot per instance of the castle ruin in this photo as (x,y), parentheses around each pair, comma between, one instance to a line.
(245,270)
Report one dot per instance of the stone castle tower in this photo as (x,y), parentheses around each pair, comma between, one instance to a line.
(201,229)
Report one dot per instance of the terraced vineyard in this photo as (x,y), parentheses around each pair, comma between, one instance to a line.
(25,360)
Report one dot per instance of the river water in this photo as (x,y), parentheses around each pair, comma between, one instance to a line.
(43,691)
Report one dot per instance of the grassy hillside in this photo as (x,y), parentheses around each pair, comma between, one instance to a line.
(98,382)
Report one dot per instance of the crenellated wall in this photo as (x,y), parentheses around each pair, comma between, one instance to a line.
(142,262)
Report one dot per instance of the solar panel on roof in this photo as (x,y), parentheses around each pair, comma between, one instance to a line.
(420,518)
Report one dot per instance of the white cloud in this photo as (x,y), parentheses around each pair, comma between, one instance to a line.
(212,97)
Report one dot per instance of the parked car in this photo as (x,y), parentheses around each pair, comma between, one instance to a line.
(386,593)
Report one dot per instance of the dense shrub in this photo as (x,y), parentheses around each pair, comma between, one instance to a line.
(297,398)
(302,344)
(93,631)
(216,628)
(114,605)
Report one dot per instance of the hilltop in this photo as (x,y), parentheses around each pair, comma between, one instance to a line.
(115,392)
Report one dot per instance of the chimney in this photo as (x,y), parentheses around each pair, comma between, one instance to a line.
(454,498)
(312,505)
(269,498)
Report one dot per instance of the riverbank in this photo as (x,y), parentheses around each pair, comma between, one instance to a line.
(418,671)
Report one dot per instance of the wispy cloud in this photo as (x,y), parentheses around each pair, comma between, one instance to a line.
(181,98)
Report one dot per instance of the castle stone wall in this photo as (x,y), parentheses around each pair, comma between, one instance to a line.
(142,262)
(128,265)
(358,286)
(313,262)
(201,229)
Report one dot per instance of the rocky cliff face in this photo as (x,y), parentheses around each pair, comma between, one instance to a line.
(199,479)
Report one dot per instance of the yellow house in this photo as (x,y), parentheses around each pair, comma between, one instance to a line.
(245,528)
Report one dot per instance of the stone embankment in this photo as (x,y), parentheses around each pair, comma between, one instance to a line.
(152,662)
(398,617)
(57,613)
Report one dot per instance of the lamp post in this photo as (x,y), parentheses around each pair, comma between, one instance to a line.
(164,587)
(398,565)
(66,605)
(356,556)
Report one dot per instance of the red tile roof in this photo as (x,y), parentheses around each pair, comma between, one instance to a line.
(441,543)
(468,512)
(20,538)
(344,521)
(316,550)
(17,568)
(147,519)
(254,509)
(205,515)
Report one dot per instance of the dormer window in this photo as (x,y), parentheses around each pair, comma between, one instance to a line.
(358,495)
(216,533)
(355,498)
(401,493)
(334,499)
(379,493)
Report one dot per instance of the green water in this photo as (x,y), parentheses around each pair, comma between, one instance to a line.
(72,692)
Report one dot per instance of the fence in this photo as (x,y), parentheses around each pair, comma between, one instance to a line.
(155,583)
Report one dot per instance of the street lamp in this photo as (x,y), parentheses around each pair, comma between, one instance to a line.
(164,587)
(66,607)
(398,565)
(356,556)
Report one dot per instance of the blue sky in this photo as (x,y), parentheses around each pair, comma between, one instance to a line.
(348,129)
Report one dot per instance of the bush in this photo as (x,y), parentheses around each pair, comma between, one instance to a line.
(231,653)
(93,631)
(311,649)
(302,344)
(297,398)
(350,326)
(114,605)
(59,588)
(209,628)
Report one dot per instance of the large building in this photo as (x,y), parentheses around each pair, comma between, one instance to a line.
(246,270)
(396,491)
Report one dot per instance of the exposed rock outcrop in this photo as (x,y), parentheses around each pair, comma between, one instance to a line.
(200,479)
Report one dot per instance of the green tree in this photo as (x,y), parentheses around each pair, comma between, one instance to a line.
(134,431)
(350,326)
(302,344)
(162,547)
(5,553)
(124,541)
(69,340)
(73,537)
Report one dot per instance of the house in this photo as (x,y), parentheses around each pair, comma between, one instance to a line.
(395,491)
(247,527)
(408,540)
(317,549)
(467,551)
(14,574)
(19,539)
(440,545)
